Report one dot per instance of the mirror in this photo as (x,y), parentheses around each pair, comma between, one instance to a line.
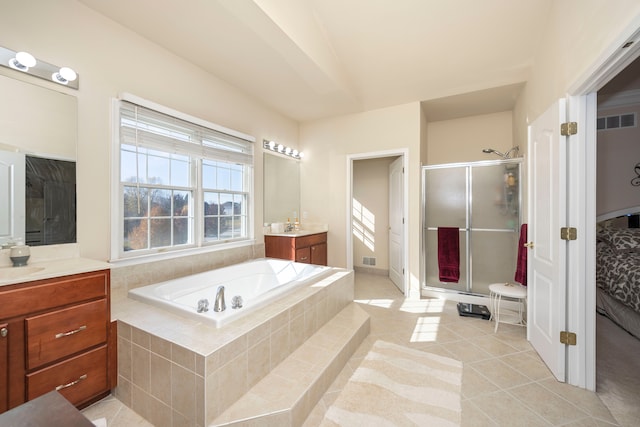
(39,123)
(281,188)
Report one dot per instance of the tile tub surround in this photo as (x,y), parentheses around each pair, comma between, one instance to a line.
(178,371)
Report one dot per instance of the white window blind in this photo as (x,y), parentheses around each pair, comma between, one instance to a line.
(144,127)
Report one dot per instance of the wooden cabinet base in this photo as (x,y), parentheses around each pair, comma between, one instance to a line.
(58,336)
(309,249)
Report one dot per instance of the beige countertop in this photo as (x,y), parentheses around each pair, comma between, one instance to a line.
(43,265)
(298,233)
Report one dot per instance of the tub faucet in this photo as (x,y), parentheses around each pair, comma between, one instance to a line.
(219,304)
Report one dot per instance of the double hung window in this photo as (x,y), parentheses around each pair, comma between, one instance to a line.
(182,184)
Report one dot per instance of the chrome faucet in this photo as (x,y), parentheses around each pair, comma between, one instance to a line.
(219,304)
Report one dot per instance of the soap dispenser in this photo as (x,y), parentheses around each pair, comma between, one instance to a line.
(19,254)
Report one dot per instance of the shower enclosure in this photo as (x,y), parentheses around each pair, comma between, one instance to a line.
(482,200)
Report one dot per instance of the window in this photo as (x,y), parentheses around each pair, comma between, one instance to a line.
(616,122)
(182,184)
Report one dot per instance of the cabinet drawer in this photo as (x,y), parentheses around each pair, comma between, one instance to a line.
(303,255)
(78,379)
(50,293)
(60,333)
(310,240)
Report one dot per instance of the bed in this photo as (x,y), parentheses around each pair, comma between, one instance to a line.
(618,274)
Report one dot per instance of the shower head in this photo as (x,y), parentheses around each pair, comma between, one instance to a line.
(491,150)
(503,155)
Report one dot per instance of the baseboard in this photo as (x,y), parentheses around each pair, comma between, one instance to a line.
(371,270)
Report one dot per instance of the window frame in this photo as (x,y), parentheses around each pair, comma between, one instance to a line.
(199,242)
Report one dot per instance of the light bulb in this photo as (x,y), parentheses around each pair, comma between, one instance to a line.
(22,61)
(68,74)
(272,144)
(64,76)
(280,147)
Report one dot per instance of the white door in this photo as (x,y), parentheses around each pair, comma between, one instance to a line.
(547,258)
(396,223)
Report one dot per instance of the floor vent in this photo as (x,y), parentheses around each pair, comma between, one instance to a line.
(368,260)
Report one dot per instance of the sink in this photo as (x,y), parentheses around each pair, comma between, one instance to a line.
(9,273)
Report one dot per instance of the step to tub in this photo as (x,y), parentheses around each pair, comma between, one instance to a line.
(286,396)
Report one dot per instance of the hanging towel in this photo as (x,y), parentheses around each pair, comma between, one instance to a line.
(521,267)
(449,254)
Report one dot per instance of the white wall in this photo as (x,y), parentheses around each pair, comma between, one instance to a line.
(462,140)
(326,144)
(618,154)
(109,60)
(578,34)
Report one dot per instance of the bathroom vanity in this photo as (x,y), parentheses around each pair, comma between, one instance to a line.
(306,247)
(55,334)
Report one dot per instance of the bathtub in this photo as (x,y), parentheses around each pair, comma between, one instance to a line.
(258,282)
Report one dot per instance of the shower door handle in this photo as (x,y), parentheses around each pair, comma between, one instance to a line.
(528,245)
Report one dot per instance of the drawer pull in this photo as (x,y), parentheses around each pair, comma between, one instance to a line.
(304,258)
(72,383)
(75,331)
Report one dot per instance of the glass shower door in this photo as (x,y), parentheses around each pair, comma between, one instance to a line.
(482,199)
(495,220)
(446,190)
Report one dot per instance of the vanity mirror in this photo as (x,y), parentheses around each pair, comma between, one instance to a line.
(38,133)
(281,188)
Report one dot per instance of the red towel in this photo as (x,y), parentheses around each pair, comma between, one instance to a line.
(521,266)
(449,254)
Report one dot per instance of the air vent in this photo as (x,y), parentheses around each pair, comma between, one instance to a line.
(616,122)
(368,260)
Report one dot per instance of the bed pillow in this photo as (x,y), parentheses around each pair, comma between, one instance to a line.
(625,240)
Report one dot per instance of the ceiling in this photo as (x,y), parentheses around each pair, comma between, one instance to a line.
(310,59)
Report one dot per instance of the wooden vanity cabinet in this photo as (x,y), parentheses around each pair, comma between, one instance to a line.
(57,337)
(309,249)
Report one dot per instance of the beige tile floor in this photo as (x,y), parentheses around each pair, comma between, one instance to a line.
(504,381)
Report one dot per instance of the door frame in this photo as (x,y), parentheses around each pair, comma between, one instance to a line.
(582,108)
(404,154)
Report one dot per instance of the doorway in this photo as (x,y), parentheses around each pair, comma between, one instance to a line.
(617,209)
(376,214)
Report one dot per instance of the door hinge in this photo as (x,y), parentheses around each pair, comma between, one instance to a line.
(568,338)
(568,233)
(569,128)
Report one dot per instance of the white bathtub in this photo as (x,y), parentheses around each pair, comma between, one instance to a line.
(257,282)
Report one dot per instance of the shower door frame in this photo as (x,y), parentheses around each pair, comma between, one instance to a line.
(462,295)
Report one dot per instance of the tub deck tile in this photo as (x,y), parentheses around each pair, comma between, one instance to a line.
(289,392)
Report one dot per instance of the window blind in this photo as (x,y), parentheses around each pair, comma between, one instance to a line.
(141,126)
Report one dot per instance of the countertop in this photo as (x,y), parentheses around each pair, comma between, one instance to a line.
(48,269)
(298,233)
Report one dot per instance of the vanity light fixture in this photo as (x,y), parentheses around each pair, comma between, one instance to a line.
(279,148)
(26,63)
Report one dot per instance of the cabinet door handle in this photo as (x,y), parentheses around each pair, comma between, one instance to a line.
(4,332)
(75,331)
(72,383)
(304,258)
